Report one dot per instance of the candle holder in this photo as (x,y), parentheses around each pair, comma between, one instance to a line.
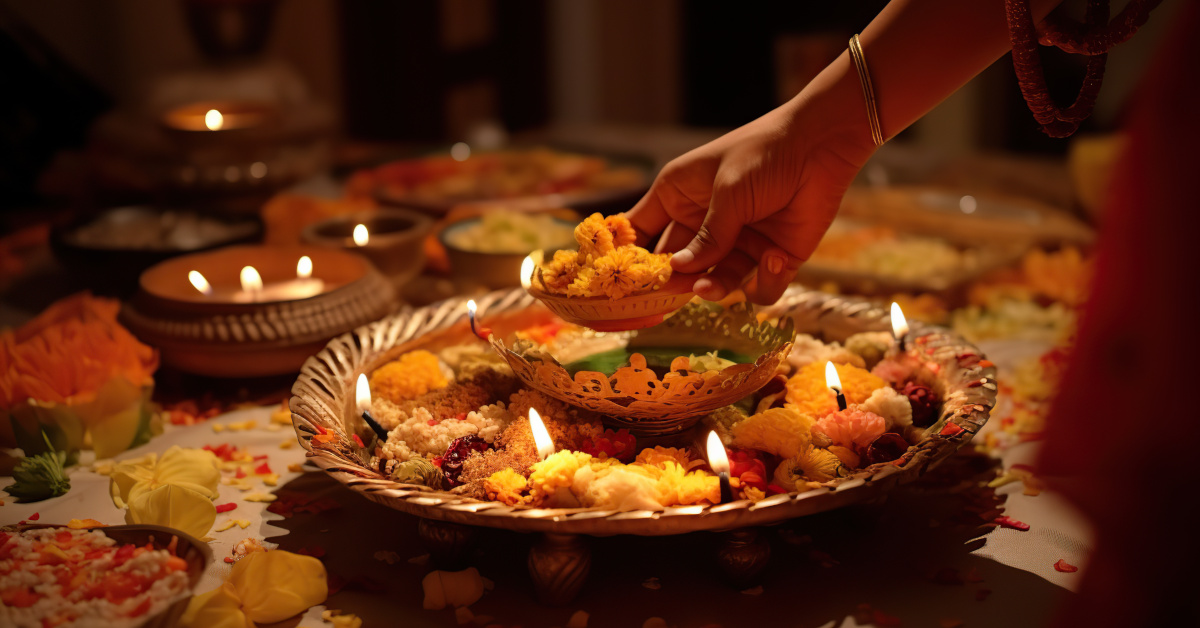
(395,242)
(223,334)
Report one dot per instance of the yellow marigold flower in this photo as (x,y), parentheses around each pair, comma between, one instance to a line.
(584,284)
(807,390)
(560,272)
(622,231)
(617,273)
(812,464)
(505,486)
(659,457)
(677,487)
(594,238)
(781,431)
(412,375)
(555,472)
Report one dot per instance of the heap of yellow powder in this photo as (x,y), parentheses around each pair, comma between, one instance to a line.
(412,375)
(808,392)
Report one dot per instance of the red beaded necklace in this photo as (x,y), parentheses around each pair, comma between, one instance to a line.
(1094,37)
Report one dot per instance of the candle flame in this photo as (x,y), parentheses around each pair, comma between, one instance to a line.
(361,236)
(199,282)
(214,120)
(541,437)
(304,267)
(472,308)
(716,454)
(362,394)
(527,267)
(831,377)
(899,324)
(251,280)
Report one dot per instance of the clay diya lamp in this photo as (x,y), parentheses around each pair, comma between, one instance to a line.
(247,311)
(393,239)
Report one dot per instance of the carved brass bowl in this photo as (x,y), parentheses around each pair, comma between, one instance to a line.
(635,397)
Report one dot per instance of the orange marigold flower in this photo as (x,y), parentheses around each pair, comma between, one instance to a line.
(69,352)
(584,284)
(807,390)
(560,272)
(622,231)
(617,273)
(594,238)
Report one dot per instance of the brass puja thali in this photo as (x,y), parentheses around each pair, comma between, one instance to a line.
(714,363)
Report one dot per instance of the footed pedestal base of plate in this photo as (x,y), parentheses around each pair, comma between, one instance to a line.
(742,555)
(559,565)
(449,544)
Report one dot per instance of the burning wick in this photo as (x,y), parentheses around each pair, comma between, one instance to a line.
(252,283)
(482,332)
(213,120)
(527,267)
(899,325)
(719,462)
(361,236)
(362,399)
(200,282)
(541,437)
(835,383)
(304,267)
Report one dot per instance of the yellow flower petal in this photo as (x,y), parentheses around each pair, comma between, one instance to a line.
(114,416)
(257,579)
(174,507)
(452,588)
(260,497)
(219,608)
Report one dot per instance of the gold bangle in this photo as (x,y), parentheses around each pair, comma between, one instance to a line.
(864,77)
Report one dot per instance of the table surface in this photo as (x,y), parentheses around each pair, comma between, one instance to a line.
(924,555)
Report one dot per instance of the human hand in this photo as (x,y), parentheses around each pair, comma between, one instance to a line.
(759,197)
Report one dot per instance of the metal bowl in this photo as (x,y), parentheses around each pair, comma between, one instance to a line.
(323,400)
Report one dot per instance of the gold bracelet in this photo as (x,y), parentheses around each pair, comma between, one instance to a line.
(864,77)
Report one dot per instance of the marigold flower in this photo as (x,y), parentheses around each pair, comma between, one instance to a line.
(560,272)
(622,230)
(594,238)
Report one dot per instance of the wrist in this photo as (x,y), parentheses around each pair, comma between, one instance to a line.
(831,112)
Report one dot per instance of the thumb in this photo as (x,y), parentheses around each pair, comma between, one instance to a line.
(715,238)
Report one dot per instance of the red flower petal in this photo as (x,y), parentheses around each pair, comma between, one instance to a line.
(226,507)
(1065,567)
(1009,522)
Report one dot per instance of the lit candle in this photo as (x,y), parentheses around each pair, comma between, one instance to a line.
(252,284)
(361,235)
(527,267)
(200,282)
(899,325)
(719,462)
(483,333)
(214,120)
(305,285)
(835,383)
(541,437)
(362,400)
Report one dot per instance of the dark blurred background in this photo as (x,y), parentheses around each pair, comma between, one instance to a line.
(429,70)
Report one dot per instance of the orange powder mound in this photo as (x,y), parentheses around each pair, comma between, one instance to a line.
(69,352)
(412,375)
(807,390)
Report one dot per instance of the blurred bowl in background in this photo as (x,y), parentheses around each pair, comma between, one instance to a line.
(488,250)
(394,244)
(109,251)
